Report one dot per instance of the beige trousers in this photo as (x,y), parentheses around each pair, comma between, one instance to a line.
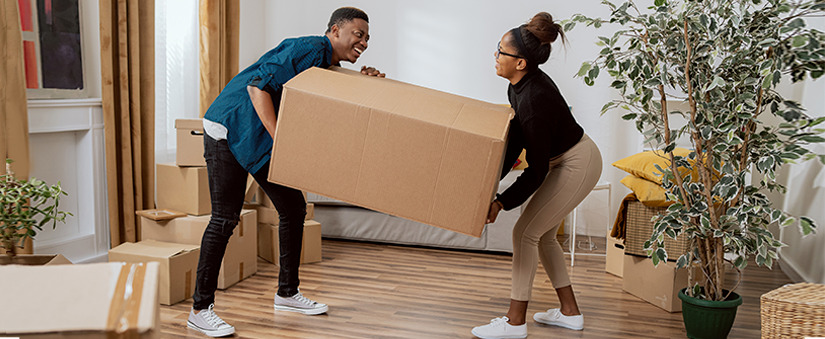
(571,178)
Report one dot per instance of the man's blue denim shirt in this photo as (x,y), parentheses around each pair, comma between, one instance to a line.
(248,139)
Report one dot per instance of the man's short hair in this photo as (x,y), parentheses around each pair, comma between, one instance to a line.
(345,14)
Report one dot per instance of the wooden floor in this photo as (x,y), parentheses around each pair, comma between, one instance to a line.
(385,291)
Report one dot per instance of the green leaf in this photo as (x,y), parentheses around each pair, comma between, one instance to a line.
(658,3)
(662,254)
(740,262)
(806,225)
(812,138)
(799,41)
(797,23)
(583,70)
(593,73)
(766,84)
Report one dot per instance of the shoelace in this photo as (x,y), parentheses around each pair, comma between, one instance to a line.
(302,299)
(499,321)
(212,318)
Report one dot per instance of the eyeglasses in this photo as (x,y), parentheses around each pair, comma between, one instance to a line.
(498,51)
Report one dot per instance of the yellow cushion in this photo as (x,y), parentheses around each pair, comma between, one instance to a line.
(648,192)
(643,164)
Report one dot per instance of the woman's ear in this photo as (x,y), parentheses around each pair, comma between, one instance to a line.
(521,65)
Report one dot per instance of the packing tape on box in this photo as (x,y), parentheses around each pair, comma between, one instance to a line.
(125,306)
(240,272)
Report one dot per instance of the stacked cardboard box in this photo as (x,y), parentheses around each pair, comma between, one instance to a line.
(268,243)
(108,300)
(240,259)
(178,265)
(184,185)
(268,220)
(614,256)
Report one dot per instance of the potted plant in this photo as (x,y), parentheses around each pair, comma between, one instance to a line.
(723,59)
(26,205)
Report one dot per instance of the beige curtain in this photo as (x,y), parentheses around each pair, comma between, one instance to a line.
(219,34)
(127,48)
(14,121)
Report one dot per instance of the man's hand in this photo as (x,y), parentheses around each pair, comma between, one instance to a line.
(262,102)
(372,72)
(492,214)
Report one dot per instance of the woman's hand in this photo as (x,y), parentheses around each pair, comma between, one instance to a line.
(372,71)
(492,214)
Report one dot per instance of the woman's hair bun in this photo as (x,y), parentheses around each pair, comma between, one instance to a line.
(544,28)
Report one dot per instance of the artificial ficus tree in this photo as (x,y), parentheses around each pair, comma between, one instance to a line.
(724,59)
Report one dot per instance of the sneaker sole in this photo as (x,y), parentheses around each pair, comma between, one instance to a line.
(307,311)
(507,337)
(559,324)
(221,333)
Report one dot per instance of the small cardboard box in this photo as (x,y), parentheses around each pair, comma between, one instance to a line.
(614,258)
(269,215)
(241,258)
(657,285)
(268,245)
(183,189)
(107,300)
(190,142)
(389,146)
(178,265)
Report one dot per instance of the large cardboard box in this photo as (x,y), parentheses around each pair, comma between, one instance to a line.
(268,244)
(108,300)
(183,189)
(389,146)
(178,265)
(614,257)
(189,142)
(241,258)
(657,285)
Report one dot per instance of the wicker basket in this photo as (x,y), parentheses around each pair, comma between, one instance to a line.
(639,227)
(794,311)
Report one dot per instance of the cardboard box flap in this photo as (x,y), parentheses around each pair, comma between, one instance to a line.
(191,124)
(408,100)
(154,248)
(67,298)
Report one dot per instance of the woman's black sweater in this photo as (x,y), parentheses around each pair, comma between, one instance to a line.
(543,126)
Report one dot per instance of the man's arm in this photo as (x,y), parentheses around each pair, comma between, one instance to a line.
(262,102)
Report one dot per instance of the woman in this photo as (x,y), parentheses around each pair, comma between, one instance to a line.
(563,167)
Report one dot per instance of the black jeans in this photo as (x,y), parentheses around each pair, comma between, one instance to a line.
(227,183)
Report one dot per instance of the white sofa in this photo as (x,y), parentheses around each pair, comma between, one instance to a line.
(344,221)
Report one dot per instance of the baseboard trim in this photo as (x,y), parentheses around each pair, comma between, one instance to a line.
(790,270)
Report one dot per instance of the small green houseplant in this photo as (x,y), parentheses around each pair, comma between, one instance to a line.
(25,207)
(722,59)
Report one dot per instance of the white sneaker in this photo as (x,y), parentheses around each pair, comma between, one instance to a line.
(554,317)
(209,323)
(299,303)
(498,328)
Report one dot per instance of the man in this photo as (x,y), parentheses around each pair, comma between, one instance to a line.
(239,128)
